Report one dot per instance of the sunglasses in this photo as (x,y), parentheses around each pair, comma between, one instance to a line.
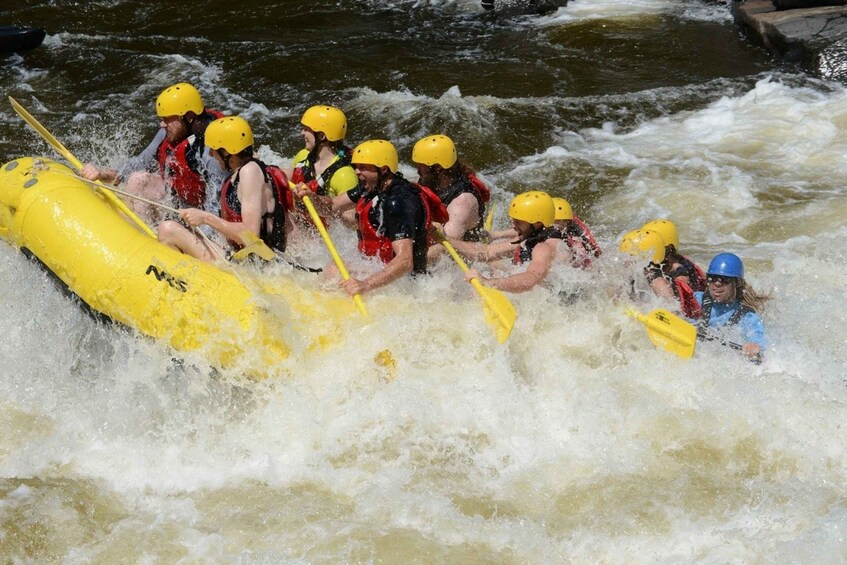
(719,279)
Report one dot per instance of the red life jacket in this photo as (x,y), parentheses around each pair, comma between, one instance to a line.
(374,244)
(283,200)
(699,282)
(581,241)
(688,304)
(371,242)
(179,170)
(484,193)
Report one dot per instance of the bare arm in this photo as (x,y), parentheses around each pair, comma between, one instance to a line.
(464,215)
(510,234)
(662,287)
(251,193)
(400,265)
(543,256)
(484,251)
(325,205)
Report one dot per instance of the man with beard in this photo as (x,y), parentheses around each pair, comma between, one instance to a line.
(393,215)
(537,246)
(176,166)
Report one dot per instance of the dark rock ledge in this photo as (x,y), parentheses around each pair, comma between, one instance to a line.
(812,33)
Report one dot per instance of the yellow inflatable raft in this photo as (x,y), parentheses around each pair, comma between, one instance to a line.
(244,322)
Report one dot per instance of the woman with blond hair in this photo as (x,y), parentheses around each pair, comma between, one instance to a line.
(730,307)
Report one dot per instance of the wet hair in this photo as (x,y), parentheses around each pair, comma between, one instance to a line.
(460,169)
(245,155)
(749,297)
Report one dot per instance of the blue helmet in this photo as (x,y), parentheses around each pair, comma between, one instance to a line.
(726,265)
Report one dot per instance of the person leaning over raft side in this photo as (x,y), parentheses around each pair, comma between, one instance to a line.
(533,214)
(185,168)
(254,198)
(394,216)
(456,185)
(323,166)
(649,244)
(677,266)
(576,235)
(729,306)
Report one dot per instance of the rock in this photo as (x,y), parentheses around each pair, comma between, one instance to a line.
(831,62)
(797,35)
(521,7)
(792,4)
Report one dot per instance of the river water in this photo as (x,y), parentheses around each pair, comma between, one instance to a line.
(577,441)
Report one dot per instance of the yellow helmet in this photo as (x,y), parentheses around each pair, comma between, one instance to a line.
(666,229)
(563,209)
(533,206)
(435,150)
(644,243)
(377,152)
(232,133)
(327,119)
(179,99)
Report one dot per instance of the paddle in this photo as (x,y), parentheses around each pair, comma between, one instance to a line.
(63,151)
(706,336)
(499,311)
(330,246)
(668,331)
(489,219)
(253,244)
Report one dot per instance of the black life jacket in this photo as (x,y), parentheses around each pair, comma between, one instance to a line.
(706,313)
(231,205)
(523,254)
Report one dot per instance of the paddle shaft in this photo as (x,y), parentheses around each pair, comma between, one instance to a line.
(705,336)
(316,219)
(63,151)
(121,192)
(213,248)
(462,265)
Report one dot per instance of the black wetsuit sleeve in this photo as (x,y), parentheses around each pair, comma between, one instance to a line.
(355,194)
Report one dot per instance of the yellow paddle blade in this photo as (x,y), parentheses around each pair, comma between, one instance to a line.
(254,245)
(668,331)
(500,313)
